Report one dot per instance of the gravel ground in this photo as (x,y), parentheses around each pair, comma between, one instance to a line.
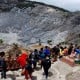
(58,71)
(74,76)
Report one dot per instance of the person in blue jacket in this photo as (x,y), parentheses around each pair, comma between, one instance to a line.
(47,51)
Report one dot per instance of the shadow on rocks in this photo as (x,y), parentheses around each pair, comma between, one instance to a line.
(34,77)
(38,68)
(13,77)
(50,74)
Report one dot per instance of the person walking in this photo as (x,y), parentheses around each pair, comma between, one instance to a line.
(27,71)
(3,65)
(46,64)
(34,57)
(41,56)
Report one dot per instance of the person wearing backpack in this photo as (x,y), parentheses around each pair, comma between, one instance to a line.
(3,65)
(46,64)
(41,56)
(34,57)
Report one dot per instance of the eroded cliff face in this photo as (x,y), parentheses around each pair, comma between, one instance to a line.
(32,21)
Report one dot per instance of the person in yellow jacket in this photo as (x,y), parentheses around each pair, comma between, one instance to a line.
(63,51)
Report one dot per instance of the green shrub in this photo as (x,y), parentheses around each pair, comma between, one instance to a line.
(25,5)
(64,42)
(1,41)
(49,42)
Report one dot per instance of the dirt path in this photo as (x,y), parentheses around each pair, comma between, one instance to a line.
(58,71)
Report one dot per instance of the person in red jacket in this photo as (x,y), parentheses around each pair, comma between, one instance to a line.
(21,59)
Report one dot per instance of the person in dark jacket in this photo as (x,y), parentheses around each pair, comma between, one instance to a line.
(33,57)
(28,70)
(41,56)
(56,52)
(70,49)
(3,65)
(46,64)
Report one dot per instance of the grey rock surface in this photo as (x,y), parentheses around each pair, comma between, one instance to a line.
(41,22)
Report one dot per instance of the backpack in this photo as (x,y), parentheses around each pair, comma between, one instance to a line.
(46,63)
(42,55)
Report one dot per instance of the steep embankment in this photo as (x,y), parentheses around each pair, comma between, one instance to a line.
(32,21)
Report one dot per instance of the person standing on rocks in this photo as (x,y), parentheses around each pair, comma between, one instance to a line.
(46,64)
(3,65)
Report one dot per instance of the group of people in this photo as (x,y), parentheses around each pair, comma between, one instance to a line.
(36,57)
(28,62)
(43,57)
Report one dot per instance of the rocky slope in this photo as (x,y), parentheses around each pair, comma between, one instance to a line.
(29,21)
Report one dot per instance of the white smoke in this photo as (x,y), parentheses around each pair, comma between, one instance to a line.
(9,38)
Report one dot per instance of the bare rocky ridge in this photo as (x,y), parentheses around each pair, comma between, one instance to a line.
(32,21)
